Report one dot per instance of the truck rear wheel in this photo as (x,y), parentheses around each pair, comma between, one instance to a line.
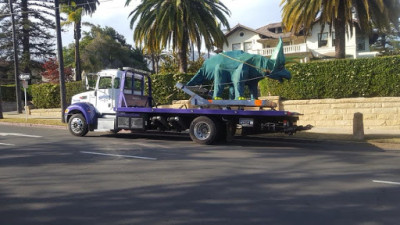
(77,125)
(203,130)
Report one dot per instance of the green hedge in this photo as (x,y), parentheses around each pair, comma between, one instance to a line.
(48,95)
(8,93)
(164,90)
(372,77)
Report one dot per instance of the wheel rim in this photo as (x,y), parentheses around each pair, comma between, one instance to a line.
(76,125)
(202,131)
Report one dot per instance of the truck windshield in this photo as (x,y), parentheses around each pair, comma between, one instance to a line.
(106,83)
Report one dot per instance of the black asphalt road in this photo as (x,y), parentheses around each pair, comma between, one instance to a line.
(50,177)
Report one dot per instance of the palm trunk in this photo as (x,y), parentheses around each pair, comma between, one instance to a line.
(340,32)
(153,63)
(77,36)
(183,49)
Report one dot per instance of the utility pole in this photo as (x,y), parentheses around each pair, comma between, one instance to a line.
(60,61)
(16,66)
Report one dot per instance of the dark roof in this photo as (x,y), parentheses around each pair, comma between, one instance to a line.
(269,34)
(263,31)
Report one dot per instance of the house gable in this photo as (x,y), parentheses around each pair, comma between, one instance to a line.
(242,38)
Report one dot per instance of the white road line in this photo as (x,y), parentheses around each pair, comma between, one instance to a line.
(386,182)
(6,144)
(125,156)
(20,135)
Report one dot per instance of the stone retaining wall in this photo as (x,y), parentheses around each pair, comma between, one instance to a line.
(9,106)
(46,113)
(381,113)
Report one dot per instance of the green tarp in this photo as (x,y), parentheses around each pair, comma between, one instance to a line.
(238,68)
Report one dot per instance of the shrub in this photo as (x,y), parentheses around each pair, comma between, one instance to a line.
(8,93)
(373,77)
(47,95)
(164,90)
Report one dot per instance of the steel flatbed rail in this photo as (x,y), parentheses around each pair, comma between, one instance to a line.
(204,111)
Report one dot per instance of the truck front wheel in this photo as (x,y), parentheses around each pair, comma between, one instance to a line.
(203,130)
(77,125)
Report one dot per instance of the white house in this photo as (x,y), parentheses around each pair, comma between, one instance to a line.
(318,44)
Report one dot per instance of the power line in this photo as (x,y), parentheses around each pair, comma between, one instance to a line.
(60,7)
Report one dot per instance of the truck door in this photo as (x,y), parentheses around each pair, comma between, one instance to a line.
(107,91)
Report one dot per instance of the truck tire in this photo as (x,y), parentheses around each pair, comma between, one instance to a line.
(77,125)
(203,130)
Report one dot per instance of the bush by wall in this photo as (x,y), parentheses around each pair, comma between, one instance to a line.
(164,90)
(8,93)
(372,77)
(48,95)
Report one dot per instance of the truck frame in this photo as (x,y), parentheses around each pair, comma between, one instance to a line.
(122,100)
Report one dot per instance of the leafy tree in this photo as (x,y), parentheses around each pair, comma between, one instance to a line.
(33,25)
(387,43)
(75,10)
(50,71)
(105,48)
(301,14)
(170,64)
(177,23)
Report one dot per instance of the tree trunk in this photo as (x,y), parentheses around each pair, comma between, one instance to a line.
(16,64)
(340,32)
(153,61)
(26,56)
(1,106)
(157,61)
(77,37)
(383,42)
(183,49)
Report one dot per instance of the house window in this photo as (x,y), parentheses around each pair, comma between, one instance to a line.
(241,34)
(247,46)
(322,40)
(236,46)
(360,44)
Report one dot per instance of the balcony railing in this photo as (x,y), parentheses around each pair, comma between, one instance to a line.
(289,49)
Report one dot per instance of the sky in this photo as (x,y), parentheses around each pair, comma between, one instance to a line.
(113,13)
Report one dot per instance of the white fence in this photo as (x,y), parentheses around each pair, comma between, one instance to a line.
(290,49)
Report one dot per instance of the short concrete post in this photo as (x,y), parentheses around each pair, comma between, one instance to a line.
(358,126)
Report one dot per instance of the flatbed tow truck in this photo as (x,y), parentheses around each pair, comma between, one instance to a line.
(122,100)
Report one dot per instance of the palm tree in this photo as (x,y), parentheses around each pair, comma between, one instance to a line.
(75,10)
(177,23)
(301,14)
